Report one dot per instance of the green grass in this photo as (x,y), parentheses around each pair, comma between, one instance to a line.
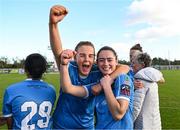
(170,100)
(169,93)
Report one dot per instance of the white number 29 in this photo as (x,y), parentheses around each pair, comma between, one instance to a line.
(44,111)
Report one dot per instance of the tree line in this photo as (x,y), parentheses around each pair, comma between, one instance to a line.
(158,61)
(18,63)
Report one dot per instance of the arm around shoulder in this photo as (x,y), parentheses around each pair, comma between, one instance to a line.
(120,69)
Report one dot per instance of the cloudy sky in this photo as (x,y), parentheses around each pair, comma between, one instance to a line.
(155,24)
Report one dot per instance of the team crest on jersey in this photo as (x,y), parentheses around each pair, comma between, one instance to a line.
(125,87)
(125,90)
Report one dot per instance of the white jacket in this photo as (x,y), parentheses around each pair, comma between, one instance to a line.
(146,100)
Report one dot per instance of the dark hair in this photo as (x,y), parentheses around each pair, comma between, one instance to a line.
(144,58)
(84,43)
(109,49)
(35,64)
(137,47)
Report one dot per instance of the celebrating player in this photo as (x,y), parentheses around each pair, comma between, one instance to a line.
(71,111)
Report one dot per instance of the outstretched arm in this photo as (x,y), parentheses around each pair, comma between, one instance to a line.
(57,13)
(120,69)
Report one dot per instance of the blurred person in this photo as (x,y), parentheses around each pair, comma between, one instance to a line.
(134,51)
(146,113)
(28,104)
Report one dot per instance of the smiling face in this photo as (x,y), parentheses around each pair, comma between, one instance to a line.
(106,61)
(142,60)
(133,54)
(85,59)
(136,65)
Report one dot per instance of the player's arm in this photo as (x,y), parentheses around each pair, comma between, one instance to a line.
(7,109)
(120,69)
(2,120)
(162,80)
(65,81)
(57,13)
(116,107)
(9,121)
(6,120)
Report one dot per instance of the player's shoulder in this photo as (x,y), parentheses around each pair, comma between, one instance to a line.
(124,79)
(47,85)
(15,85)
(73,64)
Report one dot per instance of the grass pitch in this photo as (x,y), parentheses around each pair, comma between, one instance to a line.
(169,94)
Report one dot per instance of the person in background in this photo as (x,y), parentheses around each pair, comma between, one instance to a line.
(146,113)
(28,104)
(134,51)
(73,112)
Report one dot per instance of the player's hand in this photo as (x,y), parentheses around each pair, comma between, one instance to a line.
(96,89)
(106,82)
(57,13)
(138,84)
(66,56)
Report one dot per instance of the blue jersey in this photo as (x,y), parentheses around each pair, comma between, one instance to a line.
(29,103)
(122,89)
(131,73)
(73,112)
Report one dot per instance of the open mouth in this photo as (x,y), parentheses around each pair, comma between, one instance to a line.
(85,67)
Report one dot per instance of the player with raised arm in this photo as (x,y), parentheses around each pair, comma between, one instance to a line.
(82,71)
(114,105)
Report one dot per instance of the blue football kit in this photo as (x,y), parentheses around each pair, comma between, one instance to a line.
(131,73)
(122,89)
(29,103)
(74,112)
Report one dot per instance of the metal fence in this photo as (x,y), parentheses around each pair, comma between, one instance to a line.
(21,71)
(167,67)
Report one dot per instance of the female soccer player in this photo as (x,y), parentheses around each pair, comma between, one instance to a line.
(114,105)
(28,104)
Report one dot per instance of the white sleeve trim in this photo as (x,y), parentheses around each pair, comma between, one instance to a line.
(122,97)
(87,92)
(9,115)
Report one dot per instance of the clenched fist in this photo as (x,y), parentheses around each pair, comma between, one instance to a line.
(57,13)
